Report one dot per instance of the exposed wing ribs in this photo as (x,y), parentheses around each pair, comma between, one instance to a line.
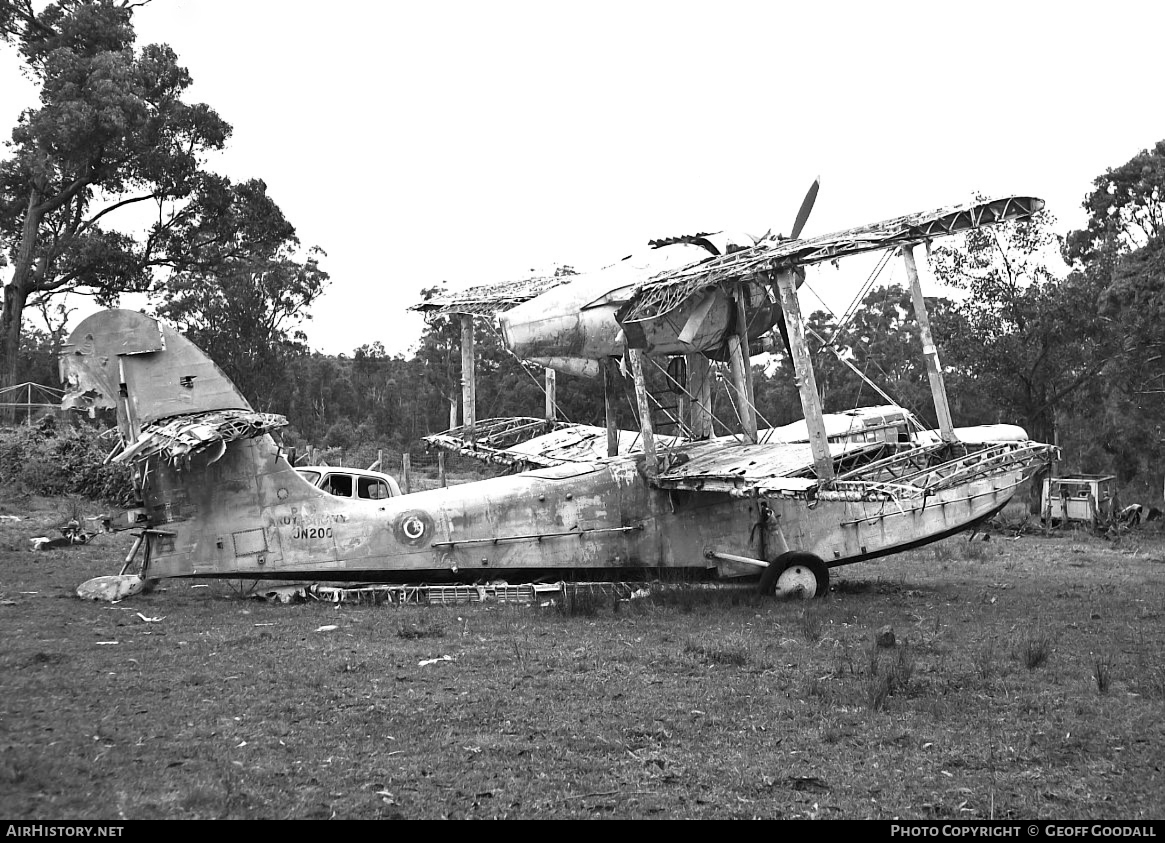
(664,292)
(179,438)
(489,299)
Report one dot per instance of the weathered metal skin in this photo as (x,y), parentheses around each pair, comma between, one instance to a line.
(844,532)
(163,373)
(241,510)
(236,508)
(570,327)
(219,499)
(249,514)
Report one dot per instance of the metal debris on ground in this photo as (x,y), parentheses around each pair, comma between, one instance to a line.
(283,594)
(111,588)
(455,594)
(458,594)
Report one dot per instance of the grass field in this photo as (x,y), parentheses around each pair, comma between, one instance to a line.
(1025,680)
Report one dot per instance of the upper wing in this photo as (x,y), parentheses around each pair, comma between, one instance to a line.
(489,299)
(674,300)
(666,291)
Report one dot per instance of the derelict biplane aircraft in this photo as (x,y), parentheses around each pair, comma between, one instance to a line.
(218,497)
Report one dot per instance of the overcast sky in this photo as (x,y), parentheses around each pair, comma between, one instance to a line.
(473,142)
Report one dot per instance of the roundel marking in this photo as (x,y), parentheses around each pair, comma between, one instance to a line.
(413,528)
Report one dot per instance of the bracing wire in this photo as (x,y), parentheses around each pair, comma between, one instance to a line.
(856,302)
(886,397)
(843,324)
(690,396)
(522,365)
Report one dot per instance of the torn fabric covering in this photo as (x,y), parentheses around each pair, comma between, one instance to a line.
(663,292)
(527,443)
(180,437)
(489,299)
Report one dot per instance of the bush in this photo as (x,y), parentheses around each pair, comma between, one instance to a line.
(54,458)
(342,434)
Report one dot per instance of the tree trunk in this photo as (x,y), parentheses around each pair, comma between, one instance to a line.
(10,324)
(16,294)
(10,319)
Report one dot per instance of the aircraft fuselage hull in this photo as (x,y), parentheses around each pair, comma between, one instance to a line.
(248,514)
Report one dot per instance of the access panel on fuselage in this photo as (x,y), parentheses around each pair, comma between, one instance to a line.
(207,517)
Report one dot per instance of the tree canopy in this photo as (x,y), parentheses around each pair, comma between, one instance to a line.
(1121,254)
(1125,210)
(246,313)
(106,190)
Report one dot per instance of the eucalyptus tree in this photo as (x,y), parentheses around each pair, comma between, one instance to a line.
(110,135)
(106,191)
(1029,339)
(1121,252)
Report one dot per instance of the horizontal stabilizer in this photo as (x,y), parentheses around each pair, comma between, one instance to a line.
(180,438)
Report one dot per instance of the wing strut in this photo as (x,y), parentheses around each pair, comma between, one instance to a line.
(610,373)
(934,371)
(468,377)
(806,381)
(651,465)
(699,386)
(741,365)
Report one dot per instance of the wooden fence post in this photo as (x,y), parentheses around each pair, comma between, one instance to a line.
(405,473)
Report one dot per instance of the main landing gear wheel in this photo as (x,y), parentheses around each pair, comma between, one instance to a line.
(795,574)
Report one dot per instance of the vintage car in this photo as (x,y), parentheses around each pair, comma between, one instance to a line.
(350,482)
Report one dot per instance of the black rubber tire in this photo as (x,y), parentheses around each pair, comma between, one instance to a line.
(768,580)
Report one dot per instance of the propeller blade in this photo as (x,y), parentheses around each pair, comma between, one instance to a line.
(806,207)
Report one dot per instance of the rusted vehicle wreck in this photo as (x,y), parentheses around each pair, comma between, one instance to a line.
(218,497)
